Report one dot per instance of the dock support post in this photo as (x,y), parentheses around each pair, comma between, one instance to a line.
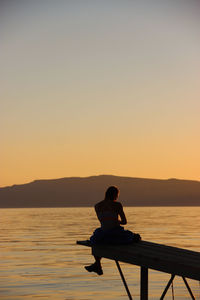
(124,281)
(189,289)
(144,283)
(167,287)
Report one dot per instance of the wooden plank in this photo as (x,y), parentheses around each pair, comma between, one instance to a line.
(154,256)
(155,263)
(168,249)
(169,254)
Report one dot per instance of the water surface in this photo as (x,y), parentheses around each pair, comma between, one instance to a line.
(40,259)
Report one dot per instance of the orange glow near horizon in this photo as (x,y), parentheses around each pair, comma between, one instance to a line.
(82,97)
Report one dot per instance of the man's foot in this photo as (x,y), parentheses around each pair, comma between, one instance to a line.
(94,268)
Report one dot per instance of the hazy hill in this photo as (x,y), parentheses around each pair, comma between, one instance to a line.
(87,191)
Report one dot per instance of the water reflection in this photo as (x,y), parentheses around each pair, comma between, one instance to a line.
(39,257)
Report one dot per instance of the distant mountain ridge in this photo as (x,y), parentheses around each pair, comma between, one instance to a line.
(86,191)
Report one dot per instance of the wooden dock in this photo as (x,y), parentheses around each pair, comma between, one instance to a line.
(147,255)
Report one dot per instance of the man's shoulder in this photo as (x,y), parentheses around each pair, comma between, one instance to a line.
(118,204)
(115,204)
(99,204)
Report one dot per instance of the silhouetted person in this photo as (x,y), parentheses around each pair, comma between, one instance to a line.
(111,215)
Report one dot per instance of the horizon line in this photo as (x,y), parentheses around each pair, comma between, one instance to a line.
(83,177)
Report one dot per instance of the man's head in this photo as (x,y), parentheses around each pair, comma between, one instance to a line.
(112,193)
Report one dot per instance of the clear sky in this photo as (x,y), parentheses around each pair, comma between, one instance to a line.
(93,87)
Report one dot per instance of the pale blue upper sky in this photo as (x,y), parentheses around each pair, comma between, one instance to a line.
(92,87)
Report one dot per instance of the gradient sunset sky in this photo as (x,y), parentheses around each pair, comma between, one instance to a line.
(99,87)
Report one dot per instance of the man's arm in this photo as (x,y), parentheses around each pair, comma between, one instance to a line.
(123,220)
(96,210)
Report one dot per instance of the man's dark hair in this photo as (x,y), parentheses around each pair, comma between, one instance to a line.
(112,193)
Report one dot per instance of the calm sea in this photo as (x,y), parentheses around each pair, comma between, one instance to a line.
(39,257)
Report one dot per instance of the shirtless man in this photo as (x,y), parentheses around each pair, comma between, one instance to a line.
(111,215)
